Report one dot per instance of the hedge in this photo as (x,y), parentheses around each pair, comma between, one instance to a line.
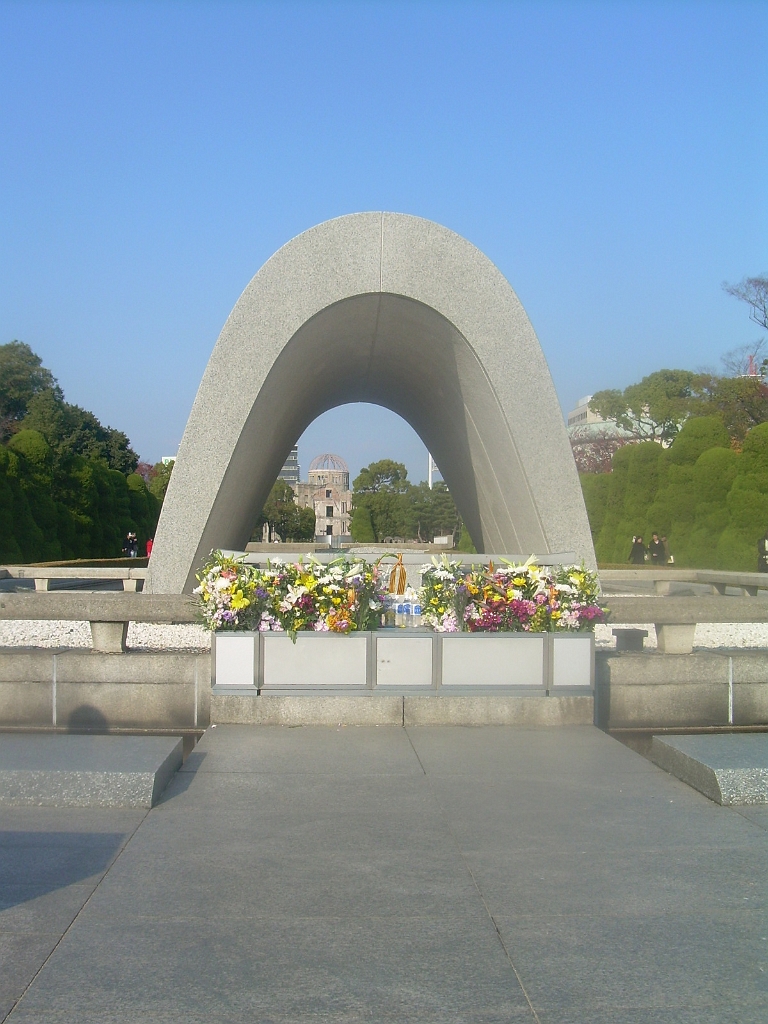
(710,501)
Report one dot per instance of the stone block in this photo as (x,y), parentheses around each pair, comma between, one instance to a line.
(497,709)
(729,769)
(26,705)
(109,637)
(675,638)
(629,639)
(129,705)
(305,709)
(86,771)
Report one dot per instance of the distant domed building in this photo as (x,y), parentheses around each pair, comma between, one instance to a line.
(327,491)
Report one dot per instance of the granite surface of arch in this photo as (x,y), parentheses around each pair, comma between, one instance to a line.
(401,312)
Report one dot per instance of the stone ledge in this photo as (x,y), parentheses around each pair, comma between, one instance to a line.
(374,709)
(305,709)
(86,771)
(498,709)
(729,769)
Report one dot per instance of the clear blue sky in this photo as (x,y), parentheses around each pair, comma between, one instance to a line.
(610,158)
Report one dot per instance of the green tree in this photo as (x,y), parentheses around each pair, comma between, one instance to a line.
(360,526)
(283,514)
(22,376)
(656,408)
(159,478)
(740,403)
(306,529)
(431,513)
(384,475)
(70,430)
(383,489)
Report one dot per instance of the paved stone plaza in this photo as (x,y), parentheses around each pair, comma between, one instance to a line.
(390,874)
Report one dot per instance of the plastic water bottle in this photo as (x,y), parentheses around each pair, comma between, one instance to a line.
(416,615)
(400,612)
(407,610)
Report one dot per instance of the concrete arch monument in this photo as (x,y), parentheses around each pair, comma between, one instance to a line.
(400,312)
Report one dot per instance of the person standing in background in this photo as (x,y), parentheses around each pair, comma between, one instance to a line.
(150,543)
(637,554)
(762,553)
(656,550)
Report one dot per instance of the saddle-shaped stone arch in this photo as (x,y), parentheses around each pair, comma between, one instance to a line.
(403,313)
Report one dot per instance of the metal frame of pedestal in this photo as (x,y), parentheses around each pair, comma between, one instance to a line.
(525,663)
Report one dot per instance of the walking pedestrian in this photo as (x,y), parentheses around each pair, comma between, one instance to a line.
(637,554)
(656,550)
(762,553)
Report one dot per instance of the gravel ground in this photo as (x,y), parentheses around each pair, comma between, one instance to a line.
(150,637)
(709,635)
(142,636)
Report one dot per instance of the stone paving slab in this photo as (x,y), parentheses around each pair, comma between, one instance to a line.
(51,860)
(39,770)
(729,769)
(420,874)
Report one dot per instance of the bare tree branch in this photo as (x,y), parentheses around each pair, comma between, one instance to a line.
(753,291)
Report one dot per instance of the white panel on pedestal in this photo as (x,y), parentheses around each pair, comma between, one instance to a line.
(404,660)
(509,660)
(572,660)
(316,659)
(235,659)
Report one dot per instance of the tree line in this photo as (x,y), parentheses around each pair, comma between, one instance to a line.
(691,461)
(68,484)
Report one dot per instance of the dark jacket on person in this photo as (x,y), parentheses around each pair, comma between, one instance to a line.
(637,554)
(762,554)
(656,551)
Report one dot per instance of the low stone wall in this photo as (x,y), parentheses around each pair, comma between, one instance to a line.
(373,708)
(654,691)
(81,690)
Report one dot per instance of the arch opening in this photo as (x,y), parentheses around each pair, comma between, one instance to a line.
(392,351)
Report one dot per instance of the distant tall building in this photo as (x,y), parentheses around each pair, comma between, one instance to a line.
(327,492)
(291,472)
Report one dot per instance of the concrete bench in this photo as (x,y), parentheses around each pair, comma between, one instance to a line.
(42,575)
(675,618)
(107,613)
(663,577)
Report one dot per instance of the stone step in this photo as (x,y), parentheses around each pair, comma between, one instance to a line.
(86,771)
(729,768)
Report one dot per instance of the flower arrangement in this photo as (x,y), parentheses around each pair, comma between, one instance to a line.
(347,595)
(510,598)
(340,597)
(444,594)
(230,595)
